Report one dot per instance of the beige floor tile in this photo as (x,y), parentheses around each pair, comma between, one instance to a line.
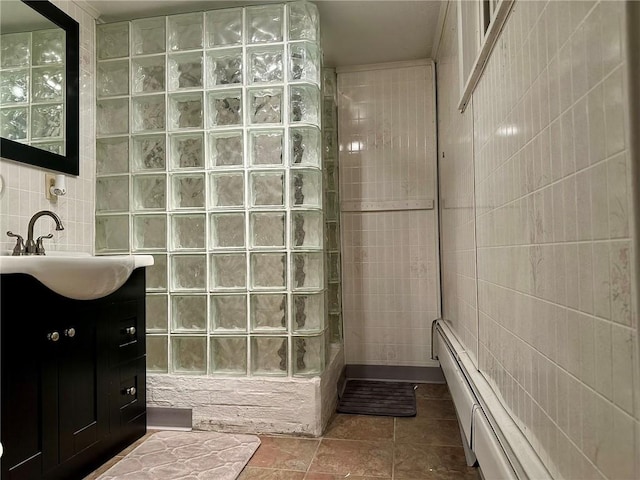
(342,457)
(433,390)
(253,473)
(431,463)
(430,408)
(360,427)
(328,476)
(103,468)
(285,453)
(429,431)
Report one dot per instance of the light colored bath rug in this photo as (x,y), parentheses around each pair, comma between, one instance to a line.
(186,456)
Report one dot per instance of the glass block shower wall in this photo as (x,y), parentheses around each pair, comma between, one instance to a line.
(331,201)
(32,88)
(209,157)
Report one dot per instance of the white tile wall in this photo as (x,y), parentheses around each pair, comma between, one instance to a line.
(390,269)
(557,303)
(23,194)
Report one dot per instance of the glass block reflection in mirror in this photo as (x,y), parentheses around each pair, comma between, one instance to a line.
(148,74)
(185,70)
(156,313)
(227,230)
(226,149)
(268,270)
(228,355)
(148,36)
(48,84)
(268,312)
(189,355)
(266,147)
(47,121)
(228,313)
(15,50)
(188,232)
(14,123)
(149,192)
(48,47)
(189,272)
(14,87)
(224,67)
(157,354)
(112,155)
(149,232)
(189,313)
(228,271)
(269,355)
(187,191)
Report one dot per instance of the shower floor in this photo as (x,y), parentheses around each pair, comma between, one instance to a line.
(363,447)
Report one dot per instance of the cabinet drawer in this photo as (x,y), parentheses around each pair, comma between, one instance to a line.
(130,397)
(127,332)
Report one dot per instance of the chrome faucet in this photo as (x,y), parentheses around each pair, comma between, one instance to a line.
(36,248)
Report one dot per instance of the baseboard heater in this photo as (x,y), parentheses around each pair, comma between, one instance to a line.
(489,433)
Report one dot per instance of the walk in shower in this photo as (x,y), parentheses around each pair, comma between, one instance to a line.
(211,157)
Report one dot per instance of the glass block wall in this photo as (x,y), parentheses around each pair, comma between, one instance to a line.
(331,201)
(32,88)
(209,157)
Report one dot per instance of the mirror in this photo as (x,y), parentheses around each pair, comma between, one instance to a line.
(39,85)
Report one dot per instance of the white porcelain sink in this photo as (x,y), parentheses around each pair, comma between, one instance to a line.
(77,276)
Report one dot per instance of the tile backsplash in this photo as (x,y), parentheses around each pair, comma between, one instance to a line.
(545,147)
(24,185)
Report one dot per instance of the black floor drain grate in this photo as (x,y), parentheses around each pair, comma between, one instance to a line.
(392,399)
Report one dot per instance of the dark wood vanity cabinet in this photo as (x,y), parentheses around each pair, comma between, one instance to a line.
(72,389)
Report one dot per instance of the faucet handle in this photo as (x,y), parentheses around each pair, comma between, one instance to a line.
(19,249)
(39,246)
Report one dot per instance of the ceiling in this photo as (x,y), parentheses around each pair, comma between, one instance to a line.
(353,32)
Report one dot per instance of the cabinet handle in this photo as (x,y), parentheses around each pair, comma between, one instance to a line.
(53,336)
(130,330)
(70,332)
(130,391)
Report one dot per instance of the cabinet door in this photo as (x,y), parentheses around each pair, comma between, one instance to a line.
(27,394)
(83,385)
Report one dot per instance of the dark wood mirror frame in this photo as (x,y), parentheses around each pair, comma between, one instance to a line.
(70,161)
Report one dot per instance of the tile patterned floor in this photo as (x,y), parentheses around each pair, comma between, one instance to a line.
(360,447)
(355,447)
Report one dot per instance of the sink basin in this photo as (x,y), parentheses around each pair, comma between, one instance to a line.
(77,276)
